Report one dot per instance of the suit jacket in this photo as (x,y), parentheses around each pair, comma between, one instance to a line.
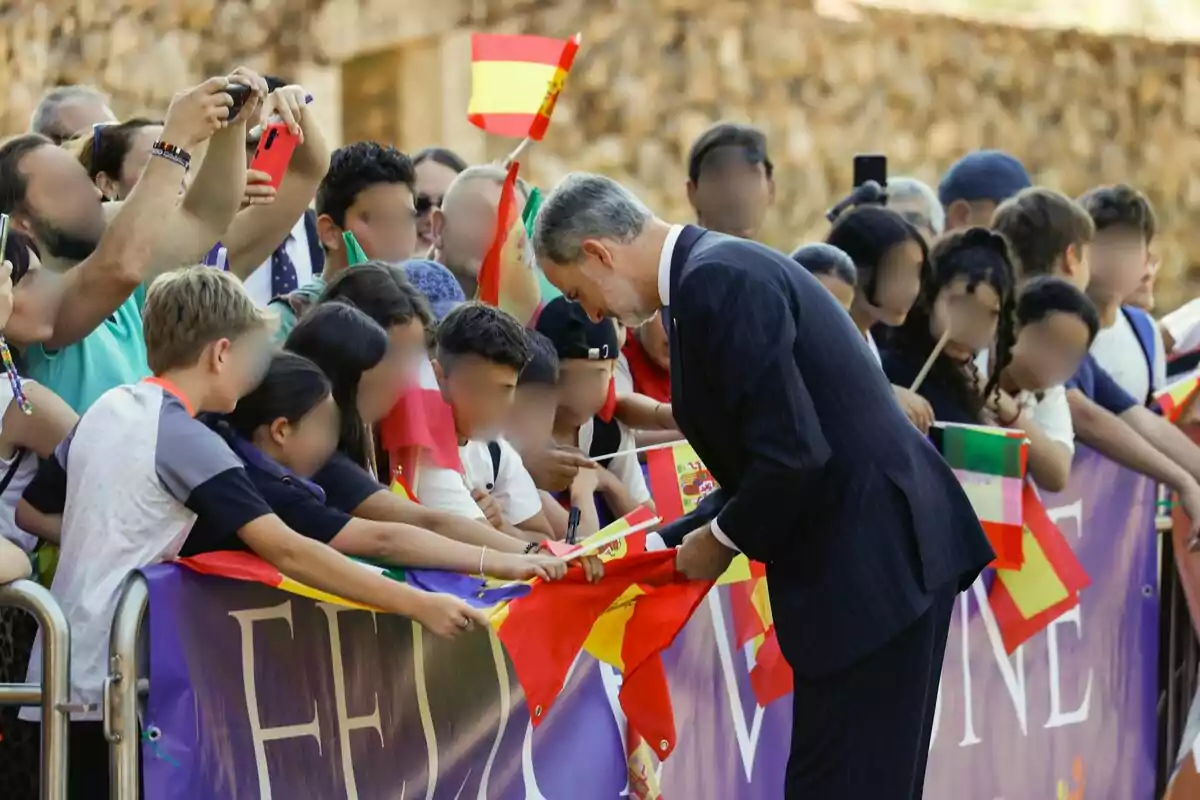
(855,513)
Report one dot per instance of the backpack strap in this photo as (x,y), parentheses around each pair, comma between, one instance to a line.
(315,254)
(1143,329)
(11,472)
(606,440)
(494,452)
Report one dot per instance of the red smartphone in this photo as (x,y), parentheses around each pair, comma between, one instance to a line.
(275,149)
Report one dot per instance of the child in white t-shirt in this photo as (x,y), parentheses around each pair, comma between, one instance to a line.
(481,351)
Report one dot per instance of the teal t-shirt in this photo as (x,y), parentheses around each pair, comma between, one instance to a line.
(112,355)
(307,294)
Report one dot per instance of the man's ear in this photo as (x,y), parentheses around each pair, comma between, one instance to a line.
(596,249)
(20,223)
(108,187)
(329,233)
(691,193)
(957,215)
(437,224)
(770,190)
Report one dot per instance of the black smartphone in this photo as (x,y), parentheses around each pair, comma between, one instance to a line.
(240,93)
(870,167)
(3,235)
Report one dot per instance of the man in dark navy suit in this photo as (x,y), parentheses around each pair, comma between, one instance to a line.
(865,532)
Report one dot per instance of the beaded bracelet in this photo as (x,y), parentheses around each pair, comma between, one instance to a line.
(532,547)
(171,153)
(14,380)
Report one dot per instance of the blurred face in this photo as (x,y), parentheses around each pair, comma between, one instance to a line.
(898,283)
(135,161)
(464,226)
(305,445)
(433,179)
(380,386)
(1119,262)
(732,191)
(35,306)
(964,214)
(531,419)
(62,210)
(406,344)
(78,115)
(1048,352)
(652,336)
(236,367)
(382,218)
(1143,296)
(914,210)
(972,317)
(599,283)
(582,389)
(479,393)
(841,291)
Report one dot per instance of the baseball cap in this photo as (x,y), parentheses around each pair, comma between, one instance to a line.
(983,175)
(573,333)
(437,283)
(751,140)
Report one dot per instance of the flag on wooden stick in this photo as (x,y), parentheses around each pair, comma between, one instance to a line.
(990,464)
(515,82)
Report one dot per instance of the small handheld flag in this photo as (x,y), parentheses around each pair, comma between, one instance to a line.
(515,82)
(1174,400)
(354,252)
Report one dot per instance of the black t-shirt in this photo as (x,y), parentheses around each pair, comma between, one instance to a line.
(902,369)
(299,503)
(346,484)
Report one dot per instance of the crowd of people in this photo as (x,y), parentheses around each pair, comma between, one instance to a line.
(175,408)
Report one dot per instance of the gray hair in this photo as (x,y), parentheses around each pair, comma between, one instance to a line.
(913,189)
(586,206)
(45,117)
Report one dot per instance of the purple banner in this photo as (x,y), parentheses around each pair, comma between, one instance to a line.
(259,693)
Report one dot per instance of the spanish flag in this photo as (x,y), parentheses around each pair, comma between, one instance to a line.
(515,82)
(507,279)
(754,625)
(1046,586)
(1174,400)
(678,480)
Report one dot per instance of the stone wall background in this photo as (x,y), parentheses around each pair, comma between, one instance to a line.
(1079,109)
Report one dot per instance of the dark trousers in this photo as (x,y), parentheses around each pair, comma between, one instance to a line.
(865,732)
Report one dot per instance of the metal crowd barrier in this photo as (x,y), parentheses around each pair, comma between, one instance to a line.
(124,687)
(54,692)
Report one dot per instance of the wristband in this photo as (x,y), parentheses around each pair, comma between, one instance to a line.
(171,153)
(532,547)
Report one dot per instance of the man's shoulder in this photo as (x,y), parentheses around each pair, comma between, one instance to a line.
(727,267)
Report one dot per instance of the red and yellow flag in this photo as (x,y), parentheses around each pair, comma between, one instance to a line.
(507,279)
(1174,400)
(678,480)
(1046,586)
(625,620)
(516,80)
(753,623)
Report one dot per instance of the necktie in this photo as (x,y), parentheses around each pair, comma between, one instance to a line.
(283,271)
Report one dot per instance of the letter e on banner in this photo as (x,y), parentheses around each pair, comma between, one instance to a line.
(260,735)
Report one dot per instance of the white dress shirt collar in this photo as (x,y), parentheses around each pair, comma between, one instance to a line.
(664,264)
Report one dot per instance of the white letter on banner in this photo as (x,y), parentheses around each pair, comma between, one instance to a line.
(747,736)
(346,723)
(1011,671)
(1058,717)
(246,619)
